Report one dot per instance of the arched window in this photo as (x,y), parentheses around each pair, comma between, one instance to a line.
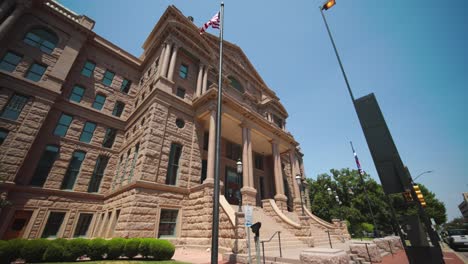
(236,84)
(41,38)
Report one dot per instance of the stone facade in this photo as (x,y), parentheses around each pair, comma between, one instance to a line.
(161,160)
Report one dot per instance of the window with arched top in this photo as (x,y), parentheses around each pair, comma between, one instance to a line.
(236,84)
(41,38)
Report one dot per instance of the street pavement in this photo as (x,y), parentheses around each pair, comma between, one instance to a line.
(200,256)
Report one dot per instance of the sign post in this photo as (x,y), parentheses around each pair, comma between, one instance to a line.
(248,212)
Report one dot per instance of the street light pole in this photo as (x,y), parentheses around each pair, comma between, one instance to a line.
(421,174)
(239,181)
(301,190)
(337,56)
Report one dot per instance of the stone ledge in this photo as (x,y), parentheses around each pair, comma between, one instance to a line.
(324,256)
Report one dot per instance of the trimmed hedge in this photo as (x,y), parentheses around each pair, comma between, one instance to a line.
(115,248)
(131,247)
(33,250)
(59,250)
(54,252)
(97,249)
(76,248)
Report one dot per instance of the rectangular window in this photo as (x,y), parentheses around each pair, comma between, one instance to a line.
(35,72)
(124,172)
(77,94)
(14,107)
(118,109)
(63,125)
(10,61)
(262,188)
(233,151)
(258,161)
(3,135)
(206,138)
(183,71)
(114,182)
(278,121)
(114,223)
(109,138)
(88,69)
(98,173)
(44,166)
(125,88)
(52,227)
(204,166)
(88,131)
(99,101)
(167,223)
(108,77)
(73,170)
(81,229)
(173,166)
(180,92)
(135,156)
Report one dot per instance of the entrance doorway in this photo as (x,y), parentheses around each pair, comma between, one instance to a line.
(18,225)
(233,186)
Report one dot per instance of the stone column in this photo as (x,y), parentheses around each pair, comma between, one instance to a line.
(205,80)
(4,7)
(172,64)
(248,191)
(295,171)
(165,63)
(161,60)
(211,148)
(199,80)
(280,198)
(11,19)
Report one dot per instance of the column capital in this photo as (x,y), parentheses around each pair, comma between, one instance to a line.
(275,141)
(245,124)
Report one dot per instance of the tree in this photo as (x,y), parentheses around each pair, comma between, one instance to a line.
(347,185)
(434,207)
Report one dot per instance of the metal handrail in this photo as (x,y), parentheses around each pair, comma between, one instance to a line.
(279,243)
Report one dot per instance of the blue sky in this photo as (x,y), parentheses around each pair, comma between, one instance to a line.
(411,54)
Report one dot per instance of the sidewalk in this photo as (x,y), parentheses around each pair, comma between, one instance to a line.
(196,256)
(400,258)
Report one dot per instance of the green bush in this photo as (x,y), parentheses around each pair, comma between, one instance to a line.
(115,248)
(13,249)
(75,248)
(144,247)
(55,251)
(6,252)
(131,247)
(33,250)
(161,249)
(97,249)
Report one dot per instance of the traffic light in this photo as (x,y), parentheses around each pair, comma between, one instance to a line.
(407,196)
(256,228)
(419,195)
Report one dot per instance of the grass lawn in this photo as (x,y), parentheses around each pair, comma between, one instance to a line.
(124,262)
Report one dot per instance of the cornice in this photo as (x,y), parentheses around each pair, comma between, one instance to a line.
(90,114)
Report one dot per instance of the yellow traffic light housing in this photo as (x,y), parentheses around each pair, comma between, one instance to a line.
(419,194)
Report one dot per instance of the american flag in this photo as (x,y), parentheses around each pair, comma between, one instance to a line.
(213,22)
(357,162)
(356,159)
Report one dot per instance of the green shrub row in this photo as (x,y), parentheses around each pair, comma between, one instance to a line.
(59,250)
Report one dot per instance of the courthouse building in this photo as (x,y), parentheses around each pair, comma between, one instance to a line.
(96,142)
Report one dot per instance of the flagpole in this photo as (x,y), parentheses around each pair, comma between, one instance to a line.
(215,223)
(365,190)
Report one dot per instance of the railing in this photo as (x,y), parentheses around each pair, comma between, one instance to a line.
(279,243)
